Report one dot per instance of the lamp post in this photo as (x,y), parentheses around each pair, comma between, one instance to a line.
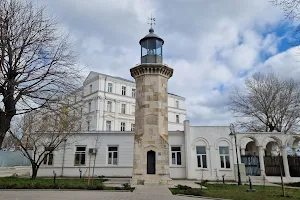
(232,133)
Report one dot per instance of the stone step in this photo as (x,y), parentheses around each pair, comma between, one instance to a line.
(151,182)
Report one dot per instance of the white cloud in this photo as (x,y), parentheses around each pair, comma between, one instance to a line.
(208,43)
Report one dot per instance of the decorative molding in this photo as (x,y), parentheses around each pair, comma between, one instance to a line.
(151,68)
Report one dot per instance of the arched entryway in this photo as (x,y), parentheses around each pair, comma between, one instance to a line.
(251,159)
(151,162)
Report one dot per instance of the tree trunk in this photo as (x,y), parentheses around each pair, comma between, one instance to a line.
(4,126)
(35,169)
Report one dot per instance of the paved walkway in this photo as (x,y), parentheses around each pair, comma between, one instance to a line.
(147,193)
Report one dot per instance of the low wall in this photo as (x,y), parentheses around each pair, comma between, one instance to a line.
(20,171)
(276,179)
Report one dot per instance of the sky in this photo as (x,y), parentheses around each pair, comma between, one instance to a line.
(211,45)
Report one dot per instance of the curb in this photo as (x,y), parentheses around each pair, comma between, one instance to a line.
(200,197)
(64,190)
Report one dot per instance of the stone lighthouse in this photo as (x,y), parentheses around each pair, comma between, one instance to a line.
(151,148)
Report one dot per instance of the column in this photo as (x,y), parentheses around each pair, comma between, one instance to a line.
(285,161)
(243,151)
(188,146)
(261,160)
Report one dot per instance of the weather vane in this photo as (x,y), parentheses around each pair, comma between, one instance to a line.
(152,20)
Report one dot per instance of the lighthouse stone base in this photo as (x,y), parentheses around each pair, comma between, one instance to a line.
(151,148)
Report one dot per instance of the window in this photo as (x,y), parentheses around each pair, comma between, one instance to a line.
(108,125)
(91,88)
(122,126)
(177,118)
(80,156)
(133,110)
(176,155)
(88,125)
(124,90)
(48,158)
(177,104)
(112,156)
(132,127)
(90,106)
(109,106)
(109,87)
(224,157)
(123,108)
(201,157)
(133,92)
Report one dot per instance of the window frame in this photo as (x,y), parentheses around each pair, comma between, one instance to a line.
(176,152)
(201,158)
(110,87)
(91,88)
(88,125)
(109,106)
(121,127)
(176,103)
(132,127)
(112,155)
(177,118)
(80,153)
(123,90)
(108,122)
(223,158)
(133,92)
(123,109)
(47,158)
(90,106)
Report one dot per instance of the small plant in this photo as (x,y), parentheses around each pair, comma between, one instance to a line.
(183,187)
(194,191)
(126,186)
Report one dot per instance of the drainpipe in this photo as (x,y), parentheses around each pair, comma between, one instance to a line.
(63,160)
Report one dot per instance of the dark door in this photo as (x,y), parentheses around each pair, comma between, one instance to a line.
(150,162)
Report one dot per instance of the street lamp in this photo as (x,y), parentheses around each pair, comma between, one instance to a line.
(232,133)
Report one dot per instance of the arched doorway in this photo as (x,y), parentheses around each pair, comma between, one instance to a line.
(251,159)
(151,162)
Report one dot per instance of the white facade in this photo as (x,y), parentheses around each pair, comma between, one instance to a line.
(195,153)
(109,104)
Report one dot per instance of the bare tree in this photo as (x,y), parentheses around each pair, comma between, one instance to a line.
(9,142)
(46,130)
(36,60)
(267,103)
(291,8)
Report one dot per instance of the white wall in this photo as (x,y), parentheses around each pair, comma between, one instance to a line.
(211,138)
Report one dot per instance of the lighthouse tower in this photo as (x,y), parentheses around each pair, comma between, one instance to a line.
(151,148)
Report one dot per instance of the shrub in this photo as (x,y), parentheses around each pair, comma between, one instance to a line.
(126,186)
(194,191)
(183,187)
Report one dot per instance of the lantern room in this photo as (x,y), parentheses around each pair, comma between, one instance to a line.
(151,48)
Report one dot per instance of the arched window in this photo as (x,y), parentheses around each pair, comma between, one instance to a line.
(224,155)
(201,147)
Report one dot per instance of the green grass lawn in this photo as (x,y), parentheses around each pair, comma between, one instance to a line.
(47,183)
(236,192)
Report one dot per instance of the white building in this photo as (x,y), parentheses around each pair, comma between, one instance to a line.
(109,104)
(197,152)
